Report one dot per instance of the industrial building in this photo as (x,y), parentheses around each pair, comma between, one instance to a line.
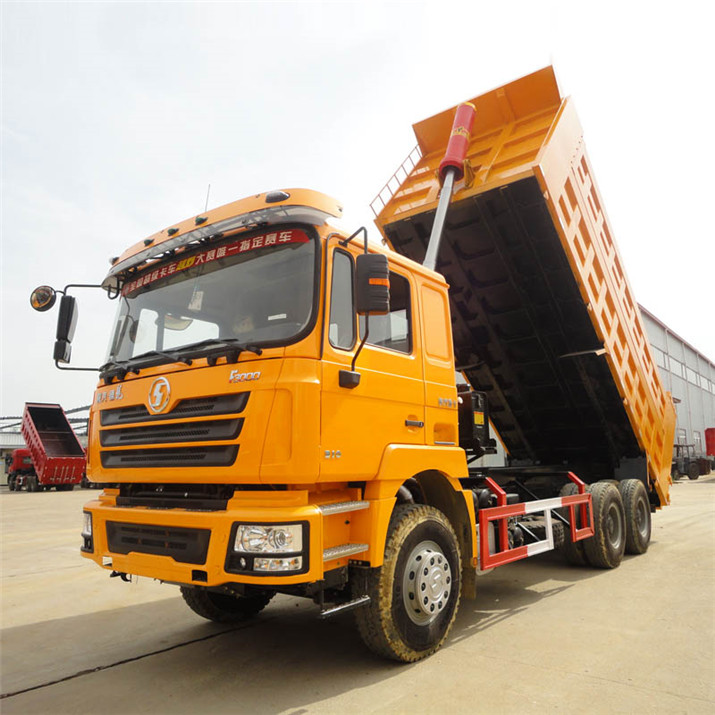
(689,377)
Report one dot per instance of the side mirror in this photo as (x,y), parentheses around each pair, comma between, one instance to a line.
(43,298)
(66,324)
(372,297)
(372,284)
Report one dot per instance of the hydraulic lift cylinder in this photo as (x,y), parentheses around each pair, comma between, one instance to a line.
(451,169)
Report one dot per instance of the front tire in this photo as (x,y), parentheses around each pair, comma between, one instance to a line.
(604,550)
(224,607)
(415,593)
(11,483)
(637,509)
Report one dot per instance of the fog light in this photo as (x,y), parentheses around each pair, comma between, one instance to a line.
(295,563)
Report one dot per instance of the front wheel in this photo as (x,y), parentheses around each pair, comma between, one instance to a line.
(224,607)
(11,483)
(415,594)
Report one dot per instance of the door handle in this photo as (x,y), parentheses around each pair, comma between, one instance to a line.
(414,423)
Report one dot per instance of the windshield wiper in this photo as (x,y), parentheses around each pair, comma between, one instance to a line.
(173,357)
(213,348)
(112,369)
(122,368)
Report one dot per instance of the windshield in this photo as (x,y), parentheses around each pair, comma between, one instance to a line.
(258,289)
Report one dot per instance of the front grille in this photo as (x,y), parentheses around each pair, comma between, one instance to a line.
(194,497)
(194,407)
(161,434)
(134,426)
(222,456)
(187,546)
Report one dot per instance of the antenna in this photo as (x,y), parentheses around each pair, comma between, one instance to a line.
(208,191)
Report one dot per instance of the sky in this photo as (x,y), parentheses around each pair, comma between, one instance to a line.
(117,117)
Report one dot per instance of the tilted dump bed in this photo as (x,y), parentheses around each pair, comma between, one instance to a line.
(544,319)
(56,452)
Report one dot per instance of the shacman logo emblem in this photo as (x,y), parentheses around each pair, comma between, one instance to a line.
(159,394)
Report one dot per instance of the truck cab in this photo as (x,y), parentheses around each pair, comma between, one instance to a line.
(19,466)
(221,416)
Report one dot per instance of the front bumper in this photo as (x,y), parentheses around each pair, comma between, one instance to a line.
(197,547)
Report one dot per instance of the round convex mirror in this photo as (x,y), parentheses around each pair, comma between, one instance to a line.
(43,298)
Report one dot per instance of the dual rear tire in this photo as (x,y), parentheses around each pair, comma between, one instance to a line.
(638,515)
(606,547)
(621,520)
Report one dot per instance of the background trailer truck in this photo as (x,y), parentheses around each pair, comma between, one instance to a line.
(57,456)
(280,414)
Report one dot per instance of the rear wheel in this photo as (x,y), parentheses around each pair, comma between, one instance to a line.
(415,593)
(572,550)
(224,607)
(605,548)
(32,484)
(693,471)
(637,509)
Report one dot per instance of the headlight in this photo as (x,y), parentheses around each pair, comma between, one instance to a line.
(269,539)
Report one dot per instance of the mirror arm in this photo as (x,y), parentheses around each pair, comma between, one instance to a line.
(362,342)
(112,293)
(347,240)
(79,369)
(80,285)
(349,378)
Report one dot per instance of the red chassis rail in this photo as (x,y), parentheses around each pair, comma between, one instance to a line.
(503,554)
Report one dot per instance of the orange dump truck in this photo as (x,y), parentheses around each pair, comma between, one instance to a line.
(281,410)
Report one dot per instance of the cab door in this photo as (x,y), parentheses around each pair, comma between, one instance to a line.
(387,406)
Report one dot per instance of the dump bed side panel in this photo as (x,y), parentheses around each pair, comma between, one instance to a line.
(577,211)
(56,452)
(543,318)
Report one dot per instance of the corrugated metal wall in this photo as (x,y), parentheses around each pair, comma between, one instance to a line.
(689,376)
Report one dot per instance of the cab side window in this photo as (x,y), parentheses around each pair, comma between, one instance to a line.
(393,330)
(341,328)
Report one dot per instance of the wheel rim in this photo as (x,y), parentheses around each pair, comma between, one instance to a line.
(641,515)
(614,526)
(427,583)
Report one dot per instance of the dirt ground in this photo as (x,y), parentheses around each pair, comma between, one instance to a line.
(540,636)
